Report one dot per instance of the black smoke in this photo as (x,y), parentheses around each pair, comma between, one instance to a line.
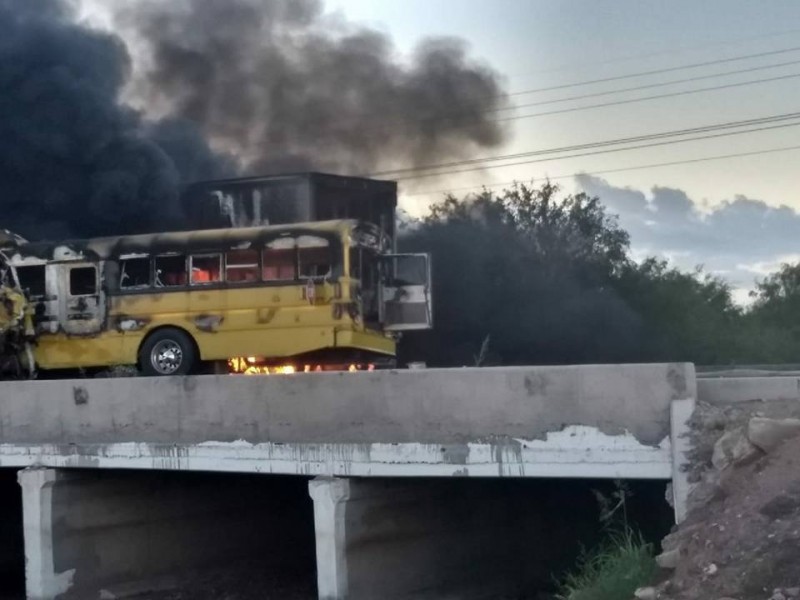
(73,160)
(99,130)
(285,87)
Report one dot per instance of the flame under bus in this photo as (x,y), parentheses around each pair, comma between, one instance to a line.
(298,297)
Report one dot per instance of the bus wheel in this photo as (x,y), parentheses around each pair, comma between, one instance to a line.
(167,351)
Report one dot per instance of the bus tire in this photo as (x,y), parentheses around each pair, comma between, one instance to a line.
(168,351)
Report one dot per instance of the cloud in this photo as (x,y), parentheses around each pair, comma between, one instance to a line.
(740,239)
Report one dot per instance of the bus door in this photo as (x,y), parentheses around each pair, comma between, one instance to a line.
(405,290)
(81,301)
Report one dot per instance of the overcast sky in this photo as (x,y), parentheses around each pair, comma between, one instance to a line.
(735,216)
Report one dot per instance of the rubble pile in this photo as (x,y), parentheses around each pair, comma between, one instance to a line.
(741,539)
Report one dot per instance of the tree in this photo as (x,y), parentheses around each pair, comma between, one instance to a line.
(772,325)
(530,269)
(685,316)
(531,276)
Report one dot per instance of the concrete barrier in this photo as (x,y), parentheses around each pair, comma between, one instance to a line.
(593,421)
(730,390)
(424,406)
(590,421)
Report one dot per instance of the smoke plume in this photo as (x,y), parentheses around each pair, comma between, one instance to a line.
(71,158)
(285,87)
(98,130)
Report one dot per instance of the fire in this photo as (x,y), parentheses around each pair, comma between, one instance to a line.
(250,366)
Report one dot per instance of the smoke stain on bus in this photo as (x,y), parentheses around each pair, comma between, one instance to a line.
(208,323)
(266,315)
(127,323)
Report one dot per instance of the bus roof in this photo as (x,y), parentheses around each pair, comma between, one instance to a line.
(186,241)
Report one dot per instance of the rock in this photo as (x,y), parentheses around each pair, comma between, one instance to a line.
(705,492)
(792,592)
(777,596)
(781,506)
(768,434)
(645,593)
(669,495)
(733,448)
(711,569)
(668,559)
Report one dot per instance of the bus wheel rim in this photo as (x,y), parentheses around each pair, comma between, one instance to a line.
(166,357)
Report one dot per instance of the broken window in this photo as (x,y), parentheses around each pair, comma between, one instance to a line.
(31,280)
(83,281)
(241,266)
(171,271)
(280,260)
(134,273)
(314,256)
(206,268)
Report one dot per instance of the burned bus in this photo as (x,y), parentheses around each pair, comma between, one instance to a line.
(288,199)
(277,285)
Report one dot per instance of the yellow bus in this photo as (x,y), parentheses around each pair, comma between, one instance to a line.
(285,297)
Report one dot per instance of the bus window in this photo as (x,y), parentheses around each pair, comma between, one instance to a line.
(314,256)
(241,266)
(83,281)
(31,280)
(280,260)
(134,273)
(170,271)
(206,268)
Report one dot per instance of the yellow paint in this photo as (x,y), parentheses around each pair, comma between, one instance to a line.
(264,320)
(269,321)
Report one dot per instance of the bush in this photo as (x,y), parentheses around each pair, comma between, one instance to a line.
(613,571)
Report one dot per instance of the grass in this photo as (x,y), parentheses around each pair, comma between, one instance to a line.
(613,571)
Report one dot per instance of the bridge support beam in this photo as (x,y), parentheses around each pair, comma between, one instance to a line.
(427,538)
(126,532)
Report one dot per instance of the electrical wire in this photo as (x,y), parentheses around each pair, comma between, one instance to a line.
(599,144)
(639,147)
(646,98)
(672,51)
(620,170)
(697,65)
(645,87)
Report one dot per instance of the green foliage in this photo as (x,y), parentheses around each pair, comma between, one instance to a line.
(772,325)
(685,316)
(622,563)
(548,278)
(613,571)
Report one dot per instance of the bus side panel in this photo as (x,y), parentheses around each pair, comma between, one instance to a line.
(59,351)
(251,321)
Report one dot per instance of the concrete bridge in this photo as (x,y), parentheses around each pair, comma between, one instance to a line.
(377,451)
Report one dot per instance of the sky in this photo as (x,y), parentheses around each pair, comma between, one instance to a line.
(735,216)
(723,214)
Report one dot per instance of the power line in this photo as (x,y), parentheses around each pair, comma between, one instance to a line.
(671,51)
(707,63)
(621,170)
(646,98)
(646,86)
(597,144)
(596,152)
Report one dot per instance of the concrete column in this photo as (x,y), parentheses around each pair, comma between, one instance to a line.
(330,497)
(42,581)
(680,413)
(93,532)
(445,538)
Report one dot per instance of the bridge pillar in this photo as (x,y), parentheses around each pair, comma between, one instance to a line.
(441,538)
(42,582)
(126,532)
